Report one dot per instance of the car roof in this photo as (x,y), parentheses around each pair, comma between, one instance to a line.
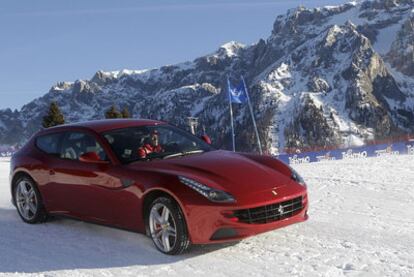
(104,125)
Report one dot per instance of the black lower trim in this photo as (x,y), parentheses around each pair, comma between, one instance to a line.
(224,233)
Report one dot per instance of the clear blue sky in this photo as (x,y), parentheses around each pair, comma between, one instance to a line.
(46,41)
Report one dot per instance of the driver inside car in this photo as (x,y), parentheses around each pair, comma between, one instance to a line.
(151,145)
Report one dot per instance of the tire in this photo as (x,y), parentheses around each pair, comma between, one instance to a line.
(167,227)
(28,201)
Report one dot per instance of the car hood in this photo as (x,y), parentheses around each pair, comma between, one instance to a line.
(225,170)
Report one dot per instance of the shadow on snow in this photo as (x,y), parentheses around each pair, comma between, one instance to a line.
(64,244)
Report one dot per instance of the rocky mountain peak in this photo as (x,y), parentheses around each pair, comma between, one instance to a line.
(102,77)
(230,49)
(60,86)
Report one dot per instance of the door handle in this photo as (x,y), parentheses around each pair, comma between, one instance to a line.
(51,172)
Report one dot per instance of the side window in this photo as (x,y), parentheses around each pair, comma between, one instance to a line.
(125,144)
(75,144)
(49,143)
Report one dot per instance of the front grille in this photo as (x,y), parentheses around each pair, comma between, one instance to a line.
(270,213)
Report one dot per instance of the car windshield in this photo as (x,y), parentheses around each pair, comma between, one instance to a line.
(153,142)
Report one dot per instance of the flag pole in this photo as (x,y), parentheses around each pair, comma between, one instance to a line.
(231,116)
(251,113)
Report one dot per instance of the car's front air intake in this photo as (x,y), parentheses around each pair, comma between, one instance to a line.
(270,213)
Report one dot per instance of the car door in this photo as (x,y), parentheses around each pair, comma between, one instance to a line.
(83,189)
(49,147)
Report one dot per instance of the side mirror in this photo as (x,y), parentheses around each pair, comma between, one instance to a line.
(206,139)
(91,157)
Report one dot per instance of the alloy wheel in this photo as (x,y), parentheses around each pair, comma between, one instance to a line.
(26,200)
(162,227)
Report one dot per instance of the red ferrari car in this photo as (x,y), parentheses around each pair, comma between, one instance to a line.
(151,177)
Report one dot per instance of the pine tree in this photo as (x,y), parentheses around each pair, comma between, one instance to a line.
(113,113)
(125,113)
(54,116)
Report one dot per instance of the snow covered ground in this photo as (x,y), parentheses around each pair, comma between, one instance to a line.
(361,223)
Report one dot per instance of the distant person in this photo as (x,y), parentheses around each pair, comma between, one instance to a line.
(151,145)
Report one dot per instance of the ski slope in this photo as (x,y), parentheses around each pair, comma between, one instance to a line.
(361,223)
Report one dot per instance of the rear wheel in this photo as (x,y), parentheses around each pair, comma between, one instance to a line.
(167,226)
(28,201)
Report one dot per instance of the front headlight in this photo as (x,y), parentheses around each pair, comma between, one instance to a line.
(296,177)
(211,194)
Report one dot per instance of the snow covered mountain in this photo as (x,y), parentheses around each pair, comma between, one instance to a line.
(325,76)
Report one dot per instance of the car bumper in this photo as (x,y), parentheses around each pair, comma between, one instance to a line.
(214,224)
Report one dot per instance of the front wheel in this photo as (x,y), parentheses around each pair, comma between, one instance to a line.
(28,201)
(167,226)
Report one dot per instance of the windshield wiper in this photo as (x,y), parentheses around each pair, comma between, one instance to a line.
(146,159)
(185,153)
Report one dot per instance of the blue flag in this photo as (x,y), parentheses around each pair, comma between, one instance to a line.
(237,94)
